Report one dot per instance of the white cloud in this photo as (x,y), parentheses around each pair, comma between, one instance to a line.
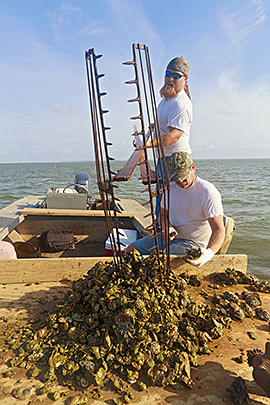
(241,23)
(69,23)
(133,22)
(236,27)
(45,88)
(94,28)
(232,118)
(60,17)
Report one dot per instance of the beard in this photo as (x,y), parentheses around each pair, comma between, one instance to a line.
(167,91)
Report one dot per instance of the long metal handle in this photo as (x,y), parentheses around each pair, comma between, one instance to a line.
(102,158)
(147,115)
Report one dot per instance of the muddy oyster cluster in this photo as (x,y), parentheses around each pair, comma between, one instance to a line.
(124,324)
(234,277)
(248,303)
(239,306)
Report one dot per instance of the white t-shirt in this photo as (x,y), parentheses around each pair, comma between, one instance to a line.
(177,113)
(191,207)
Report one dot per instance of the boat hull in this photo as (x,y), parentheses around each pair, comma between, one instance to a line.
(24,220)
(72,268)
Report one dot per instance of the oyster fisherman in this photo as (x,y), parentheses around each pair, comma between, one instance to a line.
(175,114)
(196,213)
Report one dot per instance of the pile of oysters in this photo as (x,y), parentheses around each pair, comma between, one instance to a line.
(123,325)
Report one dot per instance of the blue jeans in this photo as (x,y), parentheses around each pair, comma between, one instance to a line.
(158,199)
(177,246)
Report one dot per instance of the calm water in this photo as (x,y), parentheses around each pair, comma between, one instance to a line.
(244,186)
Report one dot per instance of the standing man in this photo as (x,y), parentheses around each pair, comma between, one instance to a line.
(175,114)
(196,213)
(175,111)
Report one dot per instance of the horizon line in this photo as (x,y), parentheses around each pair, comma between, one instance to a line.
(124,160)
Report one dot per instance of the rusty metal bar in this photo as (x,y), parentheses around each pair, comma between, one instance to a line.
(162,157)
(160,182)
(104,174)
(146,102)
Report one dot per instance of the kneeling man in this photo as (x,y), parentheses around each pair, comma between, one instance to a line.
(196,213)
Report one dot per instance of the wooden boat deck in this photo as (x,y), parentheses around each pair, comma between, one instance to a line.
(30,287)
(25,302)
(11,216)
(91,232)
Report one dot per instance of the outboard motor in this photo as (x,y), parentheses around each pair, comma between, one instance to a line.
(83,180)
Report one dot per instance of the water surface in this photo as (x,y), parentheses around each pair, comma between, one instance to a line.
(243,184)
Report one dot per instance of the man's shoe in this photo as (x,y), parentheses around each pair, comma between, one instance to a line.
(148,232)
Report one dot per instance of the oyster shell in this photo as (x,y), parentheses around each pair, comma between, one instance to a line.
(262,314)
(253,299)
(23,393)
(127,322)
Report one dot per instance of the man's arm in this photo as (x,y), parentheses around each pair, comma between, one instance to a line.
(169,138)
(218,233)
(162,220)
(214,244)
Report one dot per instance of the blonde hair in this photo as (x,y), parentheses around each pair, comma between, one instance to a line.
(187,90)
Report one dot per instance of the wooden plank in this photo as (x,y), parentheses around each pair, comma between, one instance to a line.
(11,215)
(93,228)
(140,221)
(57,269)
(220,262)
(14,236)
(70,213)
(143,169)
(45,269)
(125,173)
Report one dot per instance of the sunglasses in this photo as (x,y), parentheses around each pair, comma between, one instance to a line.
(176,76)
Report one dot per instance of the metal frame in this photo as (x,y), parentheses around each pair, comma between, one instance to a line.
(105,177)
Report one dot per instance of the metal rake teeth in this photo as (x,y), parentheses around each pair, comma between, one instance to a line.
(138,117)
(132,82)
(129,63)
(102,157)
(145,98)
(96,56)
(132,100)
(148,115)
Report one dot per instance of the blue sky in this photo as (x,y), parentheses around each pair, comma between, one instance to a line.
(44,114)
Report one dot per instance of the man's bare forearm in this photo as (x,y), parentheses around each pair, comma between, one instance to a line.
(169,138)
(216,240)
(166,225)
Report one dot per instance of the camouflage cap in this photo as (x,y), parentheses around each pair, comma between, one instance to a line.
(179,164)
(179,64)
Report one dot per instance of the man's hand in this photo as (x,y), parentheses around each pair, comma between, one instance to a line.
(207,254)
(152,127)
(172,233)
